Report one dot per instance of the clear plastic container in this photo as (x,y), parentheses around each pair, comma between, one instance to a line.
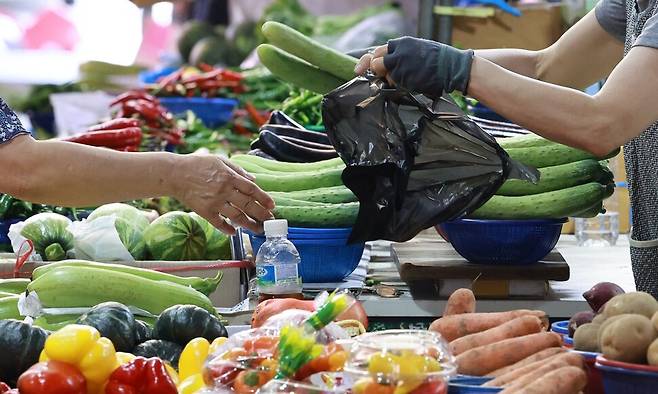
(602,230)
(277,263)
(401,362)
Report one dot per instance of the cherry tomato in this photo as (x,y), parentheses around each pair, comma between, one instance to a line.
(269,368)
(260,344)
(337,360)
(52,377)
(376,388)
(248,382)
(220,372)
(435,386)
(235,354)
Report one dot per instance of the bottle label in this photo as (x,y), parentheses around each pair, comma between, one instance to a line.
(277,275)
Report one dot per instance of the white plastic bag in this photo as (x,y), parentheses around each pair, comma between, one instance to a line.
(375,30)
(98,240)
(18,240)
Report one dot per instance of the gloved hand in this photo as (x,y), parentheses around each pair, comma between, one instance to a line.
(420,66)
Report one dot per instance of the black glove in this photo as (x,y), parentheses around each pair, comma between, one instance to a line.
(428,67)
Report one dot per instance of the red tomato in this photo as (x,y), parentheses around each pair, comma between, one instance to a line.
(220,372)
(52,377)
(431,387)
(376,388)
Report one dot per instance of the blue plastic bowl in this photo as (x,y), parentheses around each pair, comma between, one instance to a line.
(503,241)
(618,380)
(213,112)
(5,242)
(561,327)
(319,233)
(567,340)
(465,384)
(322,259)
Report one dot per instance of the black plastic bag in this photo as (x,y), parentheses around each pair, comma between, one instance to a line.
(411,163)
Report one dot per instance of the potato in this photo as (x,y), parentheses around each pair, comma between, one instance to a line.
(586,338)
(652,353)
(607,322)
(627,339)
(598,319)
(654,321)
(637,302)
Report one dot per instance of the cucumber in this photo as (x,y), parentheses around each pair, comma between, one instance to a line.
(296,71)
(319,216)
(280,200)
(251,167)
(301,181)
(327,195)
(14,285)
(297,44)
(280,166)
(523,141)
(551,155)
(550,205)
(591,211)
(555,178)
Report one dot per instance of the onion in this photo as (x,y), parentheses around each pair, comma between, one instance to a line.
(600,293)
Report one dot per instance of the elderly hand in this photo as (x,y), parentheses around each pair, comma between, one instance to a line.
(421,66)
(219,190)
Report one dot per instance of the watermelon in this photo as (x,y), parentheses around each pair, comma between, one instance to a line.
(175,236)
(218,244)
(130,224)
(47,231)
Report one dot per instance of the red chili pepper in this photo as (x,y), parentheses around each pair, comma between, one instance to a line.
(109,138)
(115,124)
(143,376)
(174,137)
(170,79)
(130,148)
(52,377)
(206,67)
(255,115)
(231,75)
(133,95)
(240,129)
(148,111)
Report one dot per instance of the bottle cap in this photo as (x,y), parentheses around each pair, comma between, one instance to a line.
(276,228)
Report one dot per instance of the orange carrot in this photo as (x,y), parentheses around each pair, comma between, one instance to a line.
(457,326)
(540,356)
(564,380)
(484,359)
(518,327)
(536,369)
(460,301)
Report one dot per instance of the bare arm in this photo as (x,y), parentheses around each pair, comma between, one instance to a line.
(583,55)
(69,174)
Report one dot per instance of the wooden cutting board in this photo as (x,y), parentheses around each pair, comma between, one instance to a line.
(436,260)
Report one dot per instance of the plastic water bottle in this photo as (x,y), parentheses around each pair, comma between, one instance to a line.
(277,264)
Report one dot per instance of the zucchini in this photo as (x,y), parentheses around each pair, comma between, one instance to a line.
(295,43)
(551,155)
(296,71)
(550,205)
(279,166)
(555,178)
(319,216)
(289,151)
(299,181)
(327,195)
(14,285)
(523,141)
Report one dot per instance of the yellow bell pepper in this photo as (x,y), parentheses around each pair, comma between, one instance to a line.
(172,374)
(192,384)
(195,354)
(84,348)
(125,358)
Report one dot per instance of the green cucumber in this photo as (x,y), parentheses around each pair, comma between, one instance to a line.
(300,181)
(296,71)
(327,195)
(280,201)
(523,141)
(319,216)
(590,212)
(297,44)
(251,168)
(555,204)
(280,166)
(14,285)
(555,178)
(551,155)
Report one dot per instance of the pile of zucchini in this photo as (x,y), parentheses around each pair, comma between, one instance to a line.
(306,194)
(573,183)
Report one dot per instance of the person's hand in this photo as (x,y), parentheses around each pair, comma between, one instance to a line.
(219,190)
(421,66)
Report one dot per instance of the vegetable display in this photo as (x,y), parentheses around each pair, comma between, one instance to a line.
(21,344)
(182,323)
(176,236)
(113,321)
(49,235)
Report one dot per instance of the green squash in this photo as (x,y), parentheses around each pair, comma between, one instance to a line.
(182,323)
(165,350)
(142,332)
(115,322)
(21,346)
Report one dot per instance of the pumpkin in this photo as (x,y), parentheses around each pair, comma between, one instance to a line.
(142,332)
(115,322)
(167,351)
(182,323)
(21,346)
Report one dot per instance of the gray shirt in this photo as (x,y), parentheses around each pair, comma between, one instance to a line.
(611,14)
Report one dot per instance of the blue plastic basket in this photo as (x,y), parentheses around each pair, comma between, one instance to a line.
(617,380)
(465,384)
(213,112)
(319,233)
(561,327)
(322,259)
(503,241)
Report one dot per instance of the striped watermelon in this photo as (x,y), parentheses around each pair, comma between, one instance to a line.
(218,244)
(175,236)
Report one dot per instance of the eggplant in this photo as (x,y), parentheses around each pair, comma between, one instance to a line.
(302,134)
(260,153)
(280,118)
(283,150)
(309,144)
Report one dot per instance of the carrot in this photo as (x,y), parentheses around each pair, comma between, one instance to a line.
(457,326)
(564,380)
(540,356)
(460,301)
(520,326)
(484,359)
(549,364)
